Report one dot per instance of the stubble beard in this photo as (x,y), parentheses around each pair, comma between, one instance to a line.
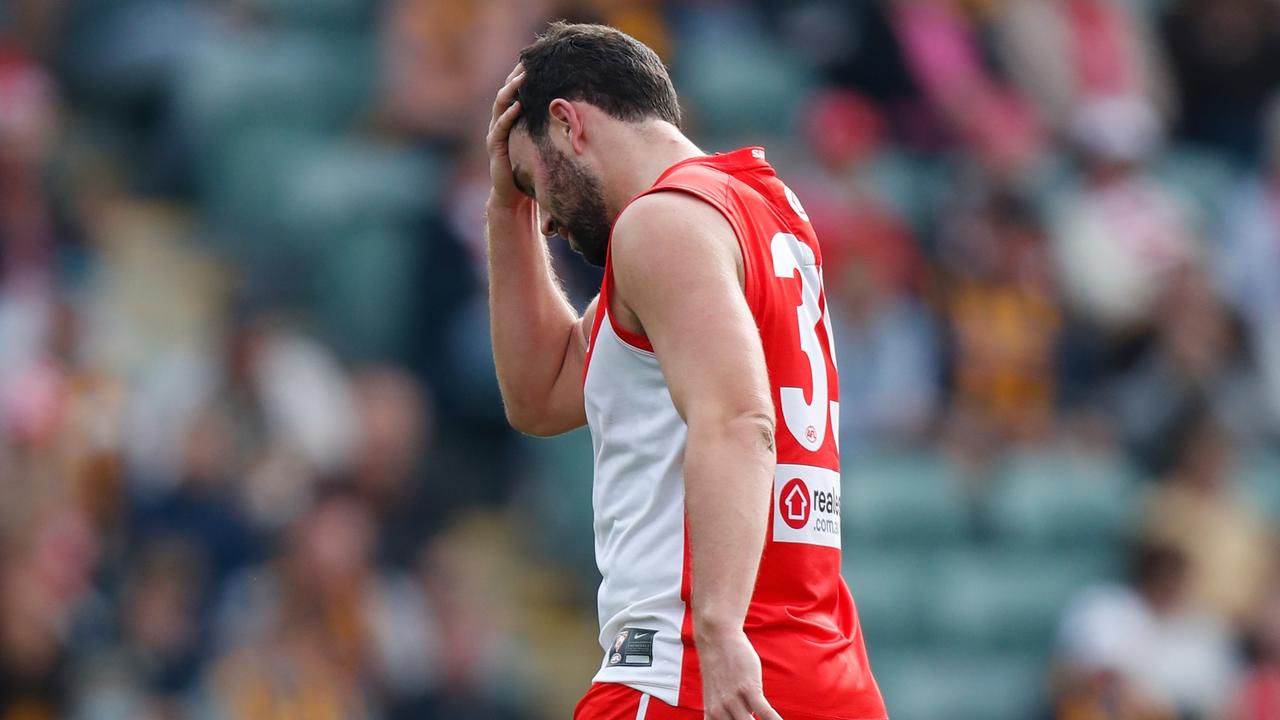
(580,205)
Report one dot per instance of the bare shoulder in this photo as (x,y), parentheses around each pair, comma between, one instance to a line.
(666,229)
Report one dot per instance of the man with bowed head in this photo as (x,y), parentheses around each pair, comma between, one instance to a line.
(705,372)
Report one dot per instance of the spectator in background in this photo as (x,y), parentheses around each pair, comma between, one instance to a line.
(58,419)
(202,511)
(36,24)
(1228,547)
(1226,61)
(1004,322)
(1119,236)
(300,632)
(434,59)
(48,611)
(854,45)
(389,465)
(1066,53)
(286,408)
(1247,265)
(1190,366)
(30,230)
(942,41)
(324,631)
(152,663)
(1259,694)
(885,339)
(641,19)
(1142,652)
(473,660)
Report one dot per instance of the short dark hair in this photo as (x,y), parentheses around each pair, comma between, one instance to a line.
(597,64)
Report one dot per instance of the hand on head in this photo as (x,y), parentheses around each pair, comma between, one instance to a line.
(506,109)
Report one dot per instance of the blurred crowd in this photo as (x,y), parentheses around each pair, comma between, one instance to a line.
(253,461)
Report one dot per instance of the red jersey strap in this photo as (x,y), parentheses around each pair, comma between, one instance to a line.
(707,178)
(710,178)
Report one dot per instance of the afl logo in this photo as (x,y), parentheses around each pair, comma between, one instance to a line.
(795,203)
(793,503)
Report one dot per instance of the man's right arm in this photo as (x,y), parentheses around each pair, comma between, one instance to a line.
(539,342)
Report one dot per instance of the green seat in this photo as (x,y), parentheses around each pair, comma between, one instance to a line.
(348,185)
(1010,598)
(959,684)
(892,589)
(560,497)
(360,286)
(337,14)
(1063,498)
(1198,176)
(742,84)
(1258,476)
(902,498)
(246,184)
(303,81)
(912,186)
(306,190)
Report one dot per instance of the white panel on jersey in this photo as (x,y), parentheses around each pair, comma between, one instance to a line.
(638,497)
(806,505)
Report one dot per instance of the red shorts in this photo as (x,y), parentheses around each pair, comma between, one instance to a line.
(611,701)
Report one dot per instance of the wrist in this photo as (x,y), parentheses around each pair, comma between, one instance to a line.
(713,627)
(497,205)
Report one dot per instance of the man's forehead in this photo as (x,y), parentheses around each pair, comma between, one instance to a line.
(520,145)
(523,154)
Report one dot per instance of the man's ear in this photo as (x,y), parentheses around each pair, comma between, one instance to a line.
(567,121)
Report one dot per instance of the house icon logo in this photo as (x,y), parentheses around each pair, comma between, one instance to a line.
(794,503)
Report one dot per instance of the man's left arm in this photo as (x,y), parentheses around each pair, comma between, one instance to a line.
(676,266)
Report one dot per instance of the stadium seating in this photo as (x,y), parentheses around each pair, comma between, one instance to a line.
(740,83)
(1063,498)
(892,589)
(562,495)
(1259,478)
(296,80)
(316,13)
(960,586)
(902,498)
(1009,597)
(1200,177)
(958,684)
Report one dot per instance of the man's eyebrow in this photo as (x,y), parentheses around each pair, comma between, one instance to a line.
(521,180)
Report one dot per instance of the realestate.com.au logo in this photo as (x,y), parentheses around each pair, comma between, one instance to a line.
(796,503)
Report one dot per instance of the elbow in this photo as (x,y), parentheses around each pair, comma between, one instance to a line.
(529,420)
(757,428)
(522,418)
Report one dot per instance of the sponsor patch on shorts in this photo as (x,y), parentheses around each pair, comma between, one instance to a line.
(632,647)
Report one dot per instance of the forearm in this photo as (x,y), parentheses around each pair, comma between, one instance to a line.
(729,468)
(531,321)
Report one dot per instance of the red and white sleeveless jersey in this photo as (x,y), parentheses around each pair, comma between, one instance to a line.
(801,619)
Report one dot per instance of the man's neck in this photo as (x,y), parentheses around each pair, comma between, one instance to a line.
(642,159)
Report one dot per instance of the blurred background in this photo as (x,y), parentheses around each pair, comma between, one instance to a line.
(253,461)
